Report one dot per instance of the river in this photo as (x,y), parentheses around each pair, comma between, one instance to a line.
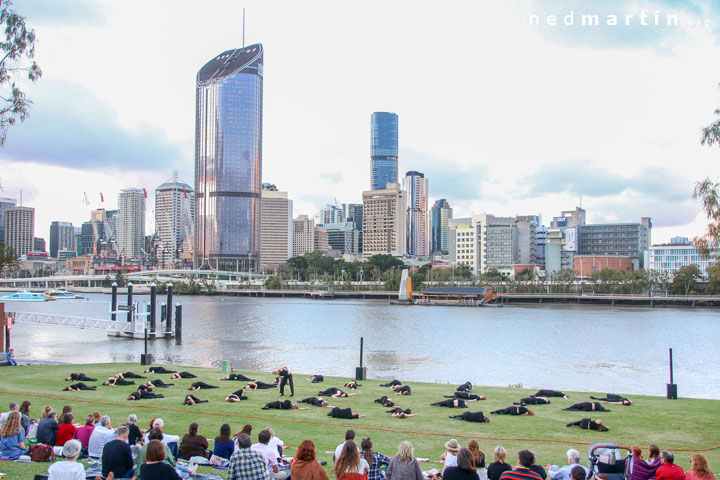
(617,350)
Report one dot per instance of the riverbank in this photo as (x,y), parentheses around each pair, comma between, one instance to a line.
(672,424)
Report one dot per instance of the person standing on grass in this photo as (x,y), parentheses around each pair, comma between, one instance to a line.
(286,378)
(245,463)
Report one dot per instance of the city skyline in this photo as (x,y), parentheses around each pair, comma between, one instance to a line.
(612,116)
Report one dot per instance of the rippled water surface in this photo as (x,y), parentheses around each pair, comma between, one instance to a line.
(617,350)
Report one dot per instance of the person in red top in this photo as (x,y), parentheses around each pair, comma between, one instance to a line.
(668,470)
(66,430)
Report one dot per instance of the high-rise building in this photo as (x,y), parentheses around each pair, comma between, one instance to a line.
(384,226)
(303,235)
(343,237)
(441,213)
(619,239)
(38,244)
(353,213)
(5,203)
(276,235)
(680,252)
(383,150)
(569,219)
(62,237)
(131,222)
(20,229)
(87,243)
(321,241)
(331,214)
(174,219)
(418,232)
(228,160)
(527,226)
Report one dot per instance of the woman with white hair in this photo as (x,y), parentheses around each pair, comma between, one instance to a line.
(70,469)
(136,433)
(404,465)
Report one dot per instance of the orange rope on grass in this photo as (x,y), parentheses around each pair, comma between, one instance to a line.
(310,422)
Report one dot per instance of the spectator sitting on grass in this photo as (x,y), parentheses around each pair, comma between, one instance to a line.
(159,423)
(668,470)
(70,468)
(565,473)
(522,472)
(97,438)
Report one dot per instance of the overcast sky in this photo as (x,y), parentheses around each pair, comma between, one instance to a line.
(504,112)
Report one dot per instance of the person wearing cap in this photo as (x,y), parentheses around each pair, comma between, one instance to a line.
(450,456)
(668,470)
(70,468)
(523,469)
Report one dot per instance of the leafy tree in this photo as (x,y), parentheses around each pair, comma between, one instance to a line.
(385,262)
(685,280)
(707,192)
(8,257)
(713,286)
(17,63)
(121,280)
(274,283)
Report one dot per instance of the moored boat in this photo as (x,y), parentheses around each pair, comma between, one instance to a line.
(26,296)
(62,294)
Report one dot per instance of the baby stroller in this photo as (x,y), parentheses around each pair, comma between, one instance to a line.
(606,462)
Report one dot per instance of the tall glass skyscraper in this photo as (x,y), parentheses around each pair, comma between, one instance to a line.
(441,213)
(383,150)
(228,160)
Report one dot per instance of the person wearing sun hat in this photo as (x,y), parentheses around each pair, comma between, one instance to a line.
(450,456)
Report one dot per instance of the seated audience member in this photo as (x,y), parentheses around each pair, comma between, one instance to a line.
(464,469)
(155,465)
(117,456)
(136,433)
(653,453)
(523,470)
(66,430)
(193,444)
(224,444)
(245,463)
(159,423)
(70,469)
(47,429)
(350,465)
(97,438)
(699,469)
(479,459)
(668,470)
(83,433)
(305,466)
(270,455)
(498,465)
(452,447)
(12,438)
(404,465)
(641,469)
(565,473)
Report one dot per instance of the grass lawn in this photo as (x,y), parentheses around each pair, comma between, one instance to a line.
(677,424)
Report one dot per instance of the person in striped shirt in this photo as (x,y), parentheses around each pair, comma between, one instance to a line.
(522,471)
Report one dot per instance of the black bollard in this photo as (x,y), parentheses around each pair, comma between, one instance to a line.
(671,387)
(130,302)
(168,320)
(361,372)
(114,302)
(153,301)
(178,323)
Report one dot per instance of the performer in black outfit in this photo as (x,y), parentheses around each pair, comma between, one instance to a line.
(399,410)
(549,393)
(454,403)
(79,377)
(78,386)
(235,397)
(343,413)
(391,384)
(258,385)
(318,402)
(514,411)
(159,370)
(285,379)
(284,405)
(192,400)
(465,387)
(386,402)
(200,386)
(315,379)
(404,390)
(239,377)
(115,381)
(334,392)
(471,417)
(587,424)
(466,396)
(159,383)
(144,387)
(613,399)
(140,394)
(182,375)
(352,385)
(586,407)
(533,401)
(132,375)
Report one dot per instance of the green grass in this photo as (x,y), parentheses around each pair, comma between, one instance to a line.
(677,424)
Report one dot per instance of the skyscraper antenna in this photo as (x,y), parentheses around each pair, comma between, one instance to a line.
(580,201)
(243,28)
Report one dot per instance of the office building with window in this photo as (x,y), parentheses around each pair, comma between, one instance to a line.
(440,214)
(228,160)
(276,237)
(20,229)
(384,225)
(131,223)
(62,237)
(418,231)
(383,150)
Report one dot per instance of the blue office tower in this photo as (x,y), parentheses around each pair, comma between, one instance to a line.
(383,150)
